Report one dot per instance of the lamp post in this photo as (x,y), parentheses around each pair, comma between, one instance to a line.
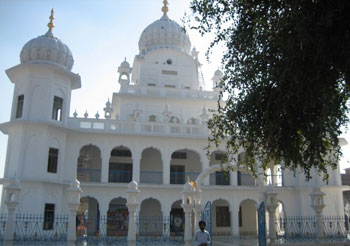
(188,205)
(13,190)
(317,203)
(132,204)
(73,191)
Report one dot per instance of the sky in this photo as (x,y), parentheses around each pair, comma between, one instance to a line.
(100,34)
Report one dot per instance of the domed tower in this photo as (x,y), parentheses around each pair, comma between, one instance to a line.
(164,58)
(40,109)
(43,81)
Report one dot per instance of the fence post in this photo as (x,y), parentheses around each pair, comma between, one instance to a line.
(132,204)
(317,203)
(271,205)
(73,204)
(188,205)
(12,197)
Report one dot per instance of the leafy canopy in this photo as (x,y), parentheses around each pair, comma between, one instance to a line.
(287,68)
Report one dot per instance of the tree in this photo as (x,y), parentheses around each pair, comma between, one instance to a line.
(286,73)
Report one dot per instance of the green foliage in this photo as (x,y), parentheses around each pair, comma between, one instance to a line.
(287,68)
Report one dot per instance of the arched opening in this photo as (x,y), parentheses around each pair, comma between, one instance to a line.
(244,178)
(120,165)
(192,121)
(184,164)
(174,120)
(150,222)
(117,218)
(221,217)
(151,167)
(177,219)
(247,218)
(89,164)
(221,177)
(152,118)
(88,217)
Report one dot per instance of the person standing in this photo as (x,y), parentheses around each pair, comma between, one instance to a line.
(202,236)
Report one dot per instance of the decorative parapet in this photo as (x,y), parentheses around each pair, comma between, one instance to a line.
(168,92)
(137,128)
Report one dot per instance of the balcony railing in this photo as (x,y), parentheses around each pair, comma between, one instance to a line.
(150,177)
(136,128)
(181,177)
(244,179)
(220,178)
(120,176)
(89,175)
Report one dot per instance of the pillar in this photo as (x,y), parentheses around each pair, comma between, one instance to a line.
(132,204)
(12,197)
(166,158)
(166,220)
(188,223)
(105,155)
(317,203)
(233,178)
(234,218)
(271,205)
(73,205)
(136,159)
(205,165)
(197,215)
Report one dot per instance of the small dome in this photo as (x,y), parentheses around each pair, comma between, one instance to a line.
(164,33)
(133,185)
(47,49)
(218,73)
(125,64)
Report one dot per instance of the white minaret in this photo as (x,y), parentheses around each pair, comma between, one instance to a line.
(41,102)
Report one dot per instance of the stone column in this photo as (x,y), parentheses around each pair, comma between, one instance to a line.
(12,197)
(166,220)
(188,223)
(188,198)
(271,205)
(166,158)
(105,155)
(233,178)
(234,218)
(136,159)
(73,205)
(317,203)
(197,215)
(132,204)
(205,165)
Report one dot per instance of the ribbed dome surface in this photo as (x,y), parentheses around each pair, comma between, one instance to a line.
(47,49)
(164,33)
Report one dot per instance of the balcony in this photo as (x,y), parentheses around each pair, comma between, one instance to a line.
(219,178)
(120,176)
(149,177)
(88,175)
(244,179)
(181,177)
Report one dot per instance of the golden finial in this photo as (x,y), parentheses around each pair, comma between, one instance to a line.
(51,25)
(165,8)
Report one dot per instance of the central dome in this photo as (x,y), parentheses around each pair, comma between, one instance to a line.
(164,33)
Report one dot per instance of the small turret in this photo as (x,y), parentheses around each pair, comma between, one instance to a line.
(124,71)
(216,79)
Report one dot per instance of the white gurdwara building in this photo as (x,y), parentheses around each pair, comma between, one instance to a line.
(153,131)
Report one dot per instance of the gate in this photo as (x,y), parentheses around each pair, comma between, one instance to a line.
(262,225)
(206,216)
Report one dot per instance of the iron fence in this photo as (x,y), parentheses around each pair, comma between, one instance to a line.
(3,219)
(39,228)
(304,228)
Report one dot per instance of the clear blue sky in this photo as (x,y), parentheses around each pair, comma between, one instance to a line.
(100,33)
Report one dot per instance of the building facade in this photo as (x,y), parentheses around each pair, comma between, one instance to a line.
(153,131)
